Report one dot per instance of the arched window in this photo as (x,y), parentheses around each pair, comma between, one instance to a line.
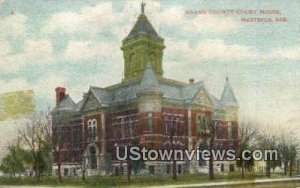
(92,157)
(92,129)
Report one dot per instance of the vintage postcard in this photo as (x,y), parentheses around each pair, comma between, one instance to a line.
(141,93)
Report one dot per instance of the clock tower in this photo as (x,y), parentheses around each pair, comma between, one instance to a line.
(142,45)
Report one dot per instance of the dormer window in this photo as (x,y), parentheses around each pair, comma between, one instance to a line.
(92,129)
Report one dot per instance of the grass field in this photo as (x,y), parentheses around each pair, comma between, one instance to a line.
(118,181)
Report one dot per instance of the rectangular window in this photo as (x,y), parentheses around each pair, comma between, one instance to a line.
(130,127)
(66,171)
(220,131)
(168,169)
(150,122)
(201,123)
(90,133)
(231,167)
(151,170)
(94,133)
(122,128)
(179,169)
(229,130)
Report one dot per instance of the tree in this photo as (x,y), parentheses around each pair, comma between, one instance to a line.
(267,142)
(248,132)
(15,160)
(211,145)
(288,146)
(36,135)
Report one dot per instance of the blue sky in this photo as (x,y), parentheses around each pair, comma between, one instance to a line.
(49,43)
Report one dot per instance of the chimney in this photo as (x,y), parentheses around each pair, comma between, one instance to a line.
(60,94)
(191,80)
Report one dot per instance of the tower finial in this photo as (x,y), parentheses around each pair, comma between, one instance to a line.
(226,78)
(143,7)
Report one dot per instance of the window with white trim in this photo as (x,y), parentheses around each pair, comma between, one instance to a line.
(92,129)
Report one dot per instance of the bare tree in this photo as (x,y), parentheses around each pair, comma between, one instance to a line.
(248,132)
(36,135)
(288,146)
(267,142)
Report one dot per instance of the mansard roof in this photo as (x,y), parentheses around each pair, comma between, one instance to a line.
(228,98)
(143,26)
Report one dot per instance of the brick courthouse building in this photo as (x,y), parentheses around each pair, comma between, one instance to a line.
(144,110)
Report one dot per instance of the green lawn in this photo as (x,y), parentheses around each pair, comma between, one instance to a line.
(117,181)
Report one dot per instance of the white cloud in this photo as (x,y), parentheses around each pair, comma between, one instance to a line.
(40,49)
(215,50)
(16,84)
(13,25)
(287,53)
(90,20)
(34,51)
(5,48)
(82,50)
(177,18)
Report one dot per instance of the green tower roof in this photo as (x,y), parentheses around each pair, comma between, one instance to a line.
(143,26)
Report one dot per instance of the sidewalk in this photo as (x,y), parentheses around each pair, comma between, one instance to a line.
(228,183)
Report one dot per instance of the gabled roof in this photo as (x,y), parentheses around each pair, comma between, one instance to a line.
(190,90)
(102,95)
(66,103)
(228,97)
(143,26)
(79,105)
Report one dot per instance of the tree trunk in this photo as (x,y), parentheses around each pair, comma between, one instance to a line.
(211,168)
(211,160)
(291,169)
(128,170)
(174,169)
(58,166)
(83,174)
(268,169)
(285,168)
(59,172)
(174,161)
(243,169)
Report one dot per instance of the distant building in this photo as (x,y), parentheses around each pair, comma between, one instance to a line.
(143,110)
